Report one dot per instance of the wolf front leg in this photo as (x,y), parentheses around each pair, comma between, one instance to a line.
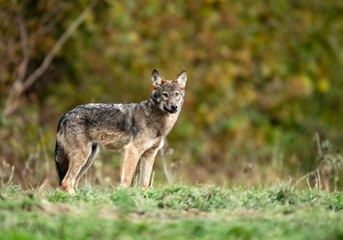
(147,162)
(130,160)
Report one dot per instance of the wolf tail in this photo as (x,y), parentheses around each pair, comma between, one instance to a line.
(61,161)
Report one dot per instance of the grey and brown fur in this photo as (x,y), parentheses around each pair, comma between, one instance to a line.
(138,129)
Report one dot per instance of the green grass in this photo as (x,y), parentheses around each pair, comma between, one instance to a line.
(179,212)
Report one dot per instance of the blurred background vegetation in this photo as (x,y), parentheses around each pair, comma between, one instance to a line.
(264,78)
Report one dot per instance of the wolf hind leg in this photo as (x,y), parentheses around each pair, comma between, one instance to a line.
(89,162)
(77,159)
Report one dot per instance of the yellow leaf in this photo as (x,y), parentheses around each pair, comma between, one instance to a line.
(323,85)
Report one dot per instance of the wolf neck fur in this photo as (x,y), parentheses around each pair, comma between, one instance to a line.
(166,120)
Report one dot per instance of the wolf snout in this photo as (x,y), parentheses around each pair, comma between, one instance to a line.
(174,107)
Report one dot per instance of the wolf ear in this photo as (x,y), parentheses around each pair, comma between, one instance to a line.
(181,79)
(157,79)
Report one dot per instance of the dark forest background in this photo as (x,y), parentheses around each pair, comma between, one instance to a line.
(263,97)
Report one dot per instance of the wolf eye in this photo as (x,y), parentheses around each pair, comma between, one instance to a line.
(177,94)
(164,94)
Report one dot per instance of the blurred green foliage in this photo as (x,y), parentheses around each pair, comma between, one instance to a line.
(263,77)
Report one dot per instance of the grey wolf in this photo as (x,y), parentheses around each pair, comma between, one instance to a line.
(138,129)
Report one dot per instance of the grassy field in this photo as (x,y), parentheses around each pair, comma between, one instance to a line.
(178,212)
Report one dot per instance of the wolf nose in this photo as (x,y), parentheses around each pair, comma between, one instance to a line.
(173,107)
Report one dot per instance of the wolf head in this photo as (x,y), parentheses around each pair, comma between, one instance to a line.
(168,95)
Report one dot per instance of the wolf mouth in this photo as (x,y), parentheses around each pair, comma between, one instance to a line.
(170,110)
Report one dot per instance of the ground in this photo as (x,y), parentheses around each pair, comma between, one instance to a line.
(177,212)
